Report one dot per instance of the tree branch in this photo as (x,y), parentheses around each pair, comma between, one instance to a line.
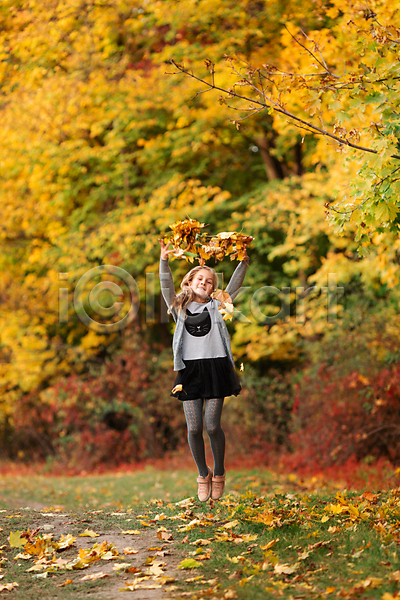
(275,106)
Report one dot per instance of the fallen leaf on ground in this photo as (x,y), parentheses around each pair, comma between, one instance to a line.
(372,582)
(231,524)
(120,566)
(8,587)
(164,535)
(230,594)
(269,545)
(185,503)
(89,533)
(131,532)
(16,541)
(189,563)
(94,576)
(65,542)
(285,569)
(66,582)
(130,551)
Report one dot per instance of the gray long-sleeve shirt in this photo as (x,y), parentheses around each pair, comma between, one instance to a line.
(168,292)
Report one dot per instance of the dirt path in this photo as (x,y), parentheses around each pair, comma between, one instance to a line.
(141,561)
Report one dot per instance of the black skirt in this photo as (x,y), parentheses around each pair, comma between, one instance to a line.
(207,378)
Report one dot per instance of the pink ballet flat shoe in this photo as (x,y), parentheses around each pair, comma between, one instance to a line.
(218,486)
(204,486)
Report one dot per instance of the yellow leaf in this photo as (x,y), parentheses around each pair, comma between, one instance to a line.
(120,566)
(164,535)
(16,541)
(156,569)
(128,551)
(131,532)
(8,586)
(177,388)
(200,541)
(233,559)
(41,575)
(248,537)
(221,296)
(269,545)
(372,582)
(65,542)
(231,524)
(89,533)
(285,569)
(94,576)
(109,556)
(189,563)
(66,582)
(324,519)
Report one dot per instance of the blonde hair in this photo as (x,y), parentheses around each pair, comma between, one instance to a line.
(187,295)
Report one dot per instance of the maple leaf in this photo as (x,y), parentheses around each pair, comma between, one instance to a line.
(89,533)
(65,542)
(189,563)
(131,532)
(184,235)
(222,296)
(8,587)
(164,535)
(285,569)
(66,582)
(231,524)
(128,551)
(177,388)
(16,540)
(94,576)
(269,545)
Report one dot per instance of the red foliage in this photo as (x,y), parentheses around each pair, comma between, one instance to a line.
(344,420)
(119,414)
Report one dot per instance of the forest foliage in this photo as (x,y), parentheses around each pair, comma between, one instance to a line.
(105,143)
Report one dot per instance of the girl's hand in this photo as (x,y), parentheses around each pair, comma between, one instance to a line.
(164,249)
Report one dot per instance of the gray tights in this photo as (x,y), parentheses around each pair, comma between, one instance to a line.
(212,419)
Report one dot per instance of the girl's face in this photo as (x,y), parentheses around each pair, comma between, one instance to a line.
(202,285)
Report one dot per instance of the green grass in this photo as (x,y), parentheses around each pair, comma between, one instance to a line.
(322,544)
(127,489)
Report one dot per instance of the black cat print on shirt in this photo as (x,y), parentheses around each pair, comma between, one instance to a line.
(198,324)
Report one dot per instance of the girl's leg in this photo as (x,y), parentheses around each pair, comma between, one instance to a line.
(194,419)
(217,437)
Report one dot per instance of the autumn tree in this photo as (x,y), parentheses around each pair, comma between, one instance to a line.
(102,149)
(338,82)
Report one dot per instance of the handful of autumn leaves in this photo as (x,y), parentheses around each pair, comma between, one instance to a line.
(190,242)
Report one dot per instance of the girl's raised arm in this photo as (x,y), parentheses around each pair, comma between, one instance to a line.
(167,283)
(235,282)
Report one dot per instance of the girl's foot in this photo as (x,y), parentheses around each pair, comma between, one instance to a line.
(204,486)
(218,486)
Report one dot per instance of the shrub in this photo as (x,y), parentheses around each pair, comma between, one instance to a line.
(260,417)
(120,413)
(348,404)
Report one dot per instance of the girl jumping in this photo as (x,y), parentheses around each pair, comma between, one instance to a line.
(204,362)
